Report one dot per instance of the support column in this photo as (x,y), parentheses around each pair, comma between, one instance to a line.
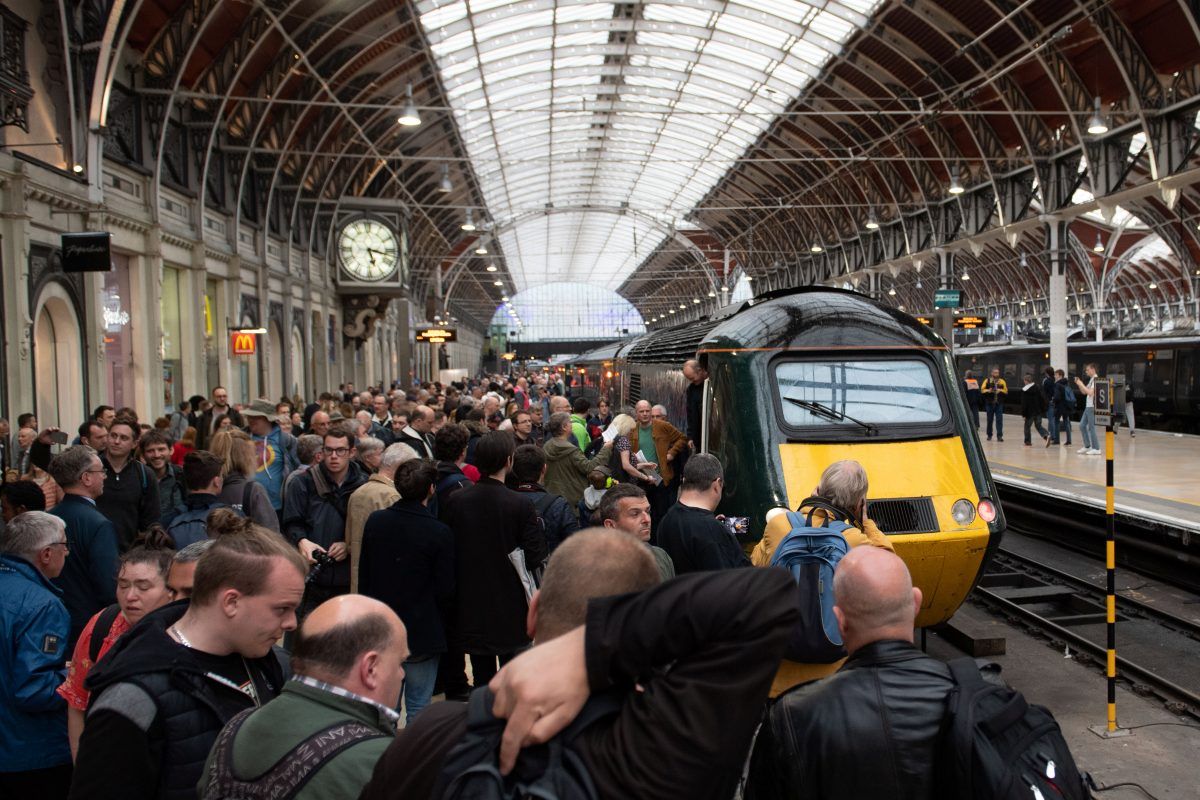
(945,316)
(17,324)
(1056,238)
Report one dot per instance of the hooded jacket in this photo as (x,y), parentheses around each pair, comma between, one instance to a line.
(33,629)
(156,710)
(567,468)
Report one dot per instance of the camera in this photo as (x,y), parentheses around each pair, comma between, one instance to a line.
(323,560)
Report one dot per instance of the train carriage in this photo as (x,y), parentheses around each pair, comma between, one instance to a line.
(801,378)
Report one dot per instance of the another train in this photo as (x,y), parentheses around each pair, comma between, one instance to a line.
(801,378)
(1162,374)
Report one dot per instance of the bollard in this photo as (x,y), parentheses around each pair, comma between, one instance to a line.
(1110,563)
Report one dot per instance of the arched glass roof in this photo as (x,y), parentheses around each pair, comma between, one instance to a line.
(569,311)
(603,107)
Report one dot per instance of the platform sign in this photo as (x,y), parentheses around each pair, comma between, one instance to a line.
(1103,402)
(437,335)
(947,298)
(925,321)
(242,343)
(969,323)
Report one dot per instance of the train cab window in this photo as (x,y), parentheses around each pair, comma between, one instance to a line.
(876,394)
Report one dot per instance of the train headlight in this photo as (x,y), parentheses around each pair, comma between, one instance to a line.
(963,512)
(987,510)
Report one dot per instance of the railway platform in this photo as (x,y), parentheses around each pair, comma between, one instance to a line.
(1154,474)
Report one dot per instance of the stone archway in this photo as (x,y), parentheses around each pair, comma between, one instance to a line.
(58,359)
(297,360)
(275,351)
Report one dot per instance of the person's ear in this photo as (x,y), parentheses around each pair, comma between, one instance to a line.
(531,615)
(368,669)
(917,598)
(841,620)
(230,598)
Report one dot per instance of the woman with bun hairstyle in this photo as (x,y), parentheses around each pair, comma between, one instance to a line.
(141,588)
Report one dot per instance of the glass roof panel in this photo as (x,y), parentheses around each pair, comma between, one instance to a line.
(568,311)
(620,123)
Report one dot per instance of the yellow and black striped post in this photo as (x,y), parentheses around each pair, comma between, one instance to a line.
(1110,562)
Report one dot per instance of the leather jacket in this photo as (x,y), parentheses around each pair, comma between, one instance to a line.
(869,730)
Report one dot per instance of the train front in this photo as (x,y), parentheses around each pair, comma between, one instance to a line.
(799,381)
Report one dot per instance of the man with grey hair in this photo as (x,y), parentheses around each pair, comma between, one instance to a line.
(814,737)
(690,532)
(370,453)
(89,580)
(181,576)
(843,485)
(566,465)
(35,758)
(659,412)
(308,452)
(378,492)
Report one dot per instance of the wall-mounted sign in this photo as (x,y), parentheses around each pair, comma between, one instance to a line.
(947,298)
(243,344)
(87,252)
(925,321)
(437,335)
(969,323)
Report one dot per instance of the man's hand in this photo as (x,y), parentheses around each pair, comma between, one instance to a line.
(540,692)
(670,457)
(44,436)
(307,548)
(338,551)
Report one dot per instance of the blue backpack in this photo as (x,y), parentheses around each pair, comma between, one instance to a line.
(1069,395)
(811,553)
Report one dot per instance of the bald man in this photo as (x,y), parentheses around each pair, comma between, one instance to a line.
(339,706)
(871,729)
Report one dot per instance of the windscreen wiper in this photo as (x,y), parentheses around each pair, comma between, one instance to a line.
(822,410)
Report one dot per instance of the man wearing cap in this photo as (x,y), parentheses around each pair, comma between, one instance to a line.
(276,450)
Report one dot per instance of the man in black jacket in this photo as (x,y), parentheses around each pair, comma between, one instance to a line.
(207,424)
(1033,407)
(871,729)
(696,376)
(690,532)
(1051,414)
(490,523)
(130,496)
(167,687)
(692,658)
(407,562)
(559,520)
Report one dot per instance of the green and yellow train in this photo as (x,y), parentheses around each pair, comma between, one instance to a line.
(800,378)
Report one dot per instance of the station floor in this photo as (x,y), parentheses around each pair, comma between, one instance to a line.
(1154,472)
(1161,756)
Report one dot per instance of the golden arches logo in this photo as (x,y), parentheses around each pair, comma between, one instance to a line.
(244,344)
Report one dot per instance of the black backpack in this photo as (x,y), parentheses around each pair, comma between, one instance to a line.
(996,745)
(551,771)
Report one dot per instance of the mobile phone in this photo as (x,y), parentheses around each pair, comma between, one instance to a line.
(737,525)
(58,437)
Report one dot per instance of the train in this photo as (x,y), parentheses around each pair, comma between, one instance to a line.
(800,378)
(1161,374)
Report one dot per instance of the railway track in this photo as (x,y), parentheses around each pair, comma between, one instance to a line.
(1155,648)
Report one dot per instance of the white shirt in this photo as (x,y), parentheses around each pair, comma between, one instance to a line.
(1091,398)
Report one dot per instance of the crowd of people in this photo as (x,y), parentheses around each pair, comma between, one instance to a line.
(1052,399)
(264,600)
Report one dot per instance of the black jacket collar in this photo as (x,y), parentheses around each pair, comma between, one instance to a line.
(885,651)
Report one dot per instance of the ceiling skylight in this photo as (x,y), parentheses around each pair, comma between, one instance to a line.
(618,118)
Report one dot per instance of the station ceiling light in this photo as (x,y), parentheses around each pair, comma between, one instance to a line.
(965,276)
(872,221)
(410,117)
(490,268)
(816,248)
(482,249)
(497,283)
(1153,285)
(1097,125)
(469,224)
(1099,246)
(1024,261)
(956,186)
(696,300)
(77,169)
(445,186)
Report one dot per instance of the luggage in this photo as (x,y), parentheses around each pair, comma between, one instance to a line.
(811,553)
(997,746)
(551,771)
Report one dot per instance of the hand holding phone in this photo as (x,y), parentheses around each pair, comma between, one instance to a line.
(58,437)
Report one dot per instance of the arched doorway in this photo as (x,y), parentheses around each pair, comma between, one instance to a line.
(58,361)
(298,386)
(274,389)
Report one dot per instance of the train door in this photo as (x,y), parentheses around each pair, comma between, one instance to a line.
(704,404)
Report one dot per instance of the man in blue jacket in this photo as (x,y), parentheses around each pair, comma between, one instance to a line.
(35,759)
(89,580)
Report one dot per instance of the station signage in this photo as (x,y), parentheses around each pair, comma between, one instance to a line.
(947,298)
(437,335)
(969,323)
(242,343)
(1103,400)
(87,252)
(925,321)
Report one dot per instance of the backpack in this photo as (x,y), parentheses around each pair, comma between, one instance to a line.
(104,623)
(995,745)
(811,553)
(1069,394)
(551,771)
(191,526)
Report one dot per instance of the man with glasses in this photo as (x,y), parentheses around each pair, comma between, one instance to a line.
(35,759)
(314,516)
(89,580)
(130,497)
(211,418)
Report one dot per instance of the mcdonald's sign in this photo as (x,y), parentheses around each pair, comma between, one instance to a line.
(243,344)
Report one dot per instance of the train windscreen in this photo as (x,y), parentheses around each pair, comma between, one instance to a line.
(882,392)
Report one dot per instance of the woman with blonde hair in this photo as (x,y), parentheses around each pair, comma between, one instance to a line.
(632,466)
(240,456)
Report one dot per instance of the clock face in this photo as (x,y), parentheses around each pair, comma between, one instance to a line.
(368,249)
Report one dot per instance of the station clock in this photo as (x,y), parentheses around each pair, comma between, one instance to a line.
(368,249)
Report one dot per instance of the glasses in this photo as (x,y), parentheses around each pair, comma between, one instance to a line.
(63,544)
(99,470)
(336,451)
